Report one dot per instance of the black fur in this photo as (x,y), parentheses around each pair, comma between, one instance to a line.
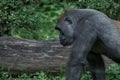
(91,34)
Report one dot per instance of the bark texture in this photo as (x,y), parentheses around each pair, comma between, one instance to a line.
(22,55)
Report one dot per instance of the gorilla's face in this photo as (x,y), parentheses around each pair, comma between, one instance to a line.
(65,27)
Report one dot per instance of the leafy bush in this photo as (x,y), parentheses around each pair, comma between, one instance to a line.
(106,6)
(34,19)
(112,73)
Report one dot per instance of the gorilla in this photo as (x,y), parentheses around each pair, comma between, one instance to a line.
(91,34)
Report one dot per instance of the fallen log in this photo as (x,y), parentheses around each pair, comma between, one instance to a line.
(22,55)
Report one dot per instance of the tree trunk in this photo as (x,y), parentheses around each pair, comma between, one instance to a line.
(22,55)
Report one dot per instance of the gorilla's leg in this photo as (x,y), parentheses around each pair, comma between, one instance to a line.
(96,65)
(74,69)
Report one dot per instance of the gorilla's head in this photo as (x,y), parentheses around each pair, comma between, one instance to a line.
(65,27)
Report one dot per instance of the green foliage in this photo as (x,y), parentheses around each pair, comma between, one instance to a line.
(86,76)
(106,6)
(5,76)
(36,19)
(112,73)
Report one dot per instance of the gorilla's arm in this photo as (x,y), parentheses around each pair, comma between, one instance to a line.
(80,49)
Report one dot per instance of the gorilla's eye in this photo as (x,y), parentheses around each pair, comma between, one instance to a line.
(68,20)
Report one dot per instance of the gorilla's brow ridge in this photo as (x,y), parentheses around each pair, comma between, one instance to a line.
(62,16)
